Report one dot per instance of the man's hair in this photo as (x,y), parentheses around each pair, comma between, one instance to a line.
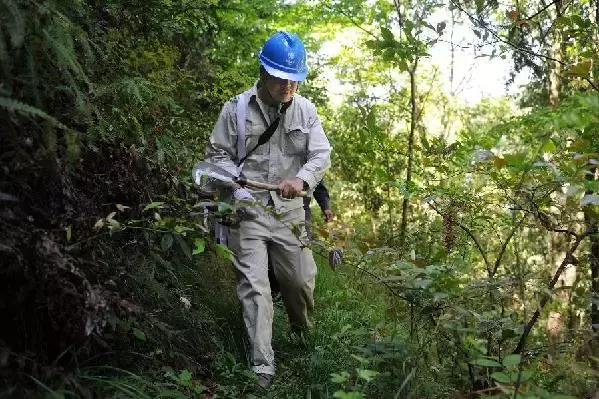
(263,73)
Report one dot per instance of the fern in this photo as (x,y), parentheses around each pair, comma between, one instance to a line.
(135,89)
(17,107)
(88,53)
(34,85)
(14,22)
(61,43)
(5,60)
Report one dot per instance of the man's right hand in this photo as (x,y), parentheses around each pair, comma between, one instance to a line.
(290,188)
(328,215)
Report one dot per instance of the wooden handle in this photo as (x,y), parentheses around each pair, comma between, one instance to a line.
(266,186)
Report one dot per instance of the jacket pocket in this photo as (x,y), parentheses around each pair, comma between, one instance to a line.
(253,131)
(296,140)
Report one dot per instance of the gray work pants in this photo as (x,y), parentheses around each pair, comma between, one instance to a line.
(253,242)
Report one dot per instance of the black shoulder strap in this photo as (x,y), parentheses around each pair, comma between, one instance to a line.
(267,134)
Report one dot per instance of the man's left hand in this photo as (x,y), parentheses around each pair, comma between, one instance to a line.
(328,215)
(290,188)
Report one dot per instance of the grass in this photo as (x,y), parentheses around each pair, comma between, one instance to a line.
(347,311)
(198,352)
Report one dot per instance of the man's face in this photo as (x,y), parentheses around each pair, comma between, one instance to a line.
(281,90)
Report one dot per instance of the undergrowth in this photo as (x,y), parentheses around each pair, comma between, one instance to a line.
(188,338)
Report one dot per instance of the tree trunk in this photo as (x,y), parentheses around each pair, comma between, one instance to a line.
(592,224)
(594,260)
(413,123)
(555,71)
(448,103)
(555,65)
(555,321)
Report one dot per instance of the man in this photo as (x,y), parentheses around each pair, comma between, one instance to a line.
(321,195)
(282,142)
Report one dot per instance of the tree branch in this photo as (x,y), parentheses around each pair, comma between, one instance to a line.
(541,10)
(568,259)
(358,266)
(482,24)
(351,19)
(478,22)
(504,247)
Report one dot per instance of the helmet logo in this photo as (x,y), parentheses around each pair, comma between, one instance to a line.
(290,58)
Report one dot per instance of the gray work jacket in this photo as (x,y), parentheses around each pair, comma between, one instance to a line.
(298,147)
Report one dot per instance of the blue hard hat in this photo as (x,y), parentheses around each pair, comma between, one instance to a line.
(284,56)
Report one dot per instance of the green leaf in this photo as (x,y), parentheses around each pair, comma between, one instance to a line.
(224,252)
(388,55)
(508,333)
(562,21)
(139,334)
(502,378)
(577,19)
(361,359)
(199,245)
(167,242)
(516,161)
(387,34)
(224,207)
(371,120)
(486,362)
(340,378)
(184,247)
(407,188)
(511,360)
(424,141)
(347,395)
(526,375)
(549,147)
(185,376)
(367,375)
(402,65)
(153,205)
(182,230)
(372,44)
(27,110)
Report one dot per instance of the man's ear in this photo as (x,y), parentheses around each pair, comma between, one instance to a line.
(263,74)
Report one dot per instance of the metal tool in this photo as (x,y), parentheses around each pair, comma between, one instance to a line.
(204,171)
